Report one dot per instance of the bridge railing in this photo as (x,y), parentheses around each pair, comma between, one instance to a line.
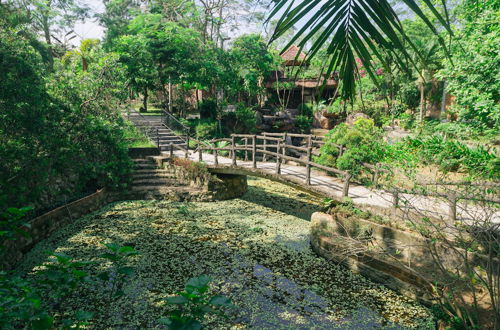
(273,146)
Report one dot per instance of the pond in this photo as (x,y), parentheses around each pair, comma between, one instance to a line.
(256,250)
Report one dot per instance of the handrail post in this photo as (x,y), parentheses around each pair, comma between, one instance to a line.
(187,139)
(264,156)
(246,151)
(452,199)
(278,158)
(158,138)
(395,198)
(254,151)
(376,174)
(216,156)
(233,149)
(284,146)
(200,153)
(345,190)
(308,164)
(171,150)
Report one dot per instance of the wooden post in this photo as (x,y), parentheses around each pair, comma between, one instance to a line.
(452,199)
(254,151)
(171,150)
(264,156)
(200,153)
(284,146)
(395,198)
(278,158)
(375,174)
(246,151)
(186,155)
(233,149)
(216,156)
(158,138)
(345,190)
(308,165)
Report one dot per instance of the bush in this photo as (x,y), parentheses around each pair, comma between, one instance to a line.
(305,110)
(206,129)
(452,156)
(246,121)
(303,123)
(363,142)
(208,109)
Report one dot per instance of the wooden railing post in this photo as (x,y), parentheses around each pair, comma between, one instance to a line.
(233,149)
(264,156)
(395,198)
(186,155)
(171,150)
(284,146)
(246,151)
(254,151)
(200,153)
(158,138)
(375,174)
(278,158)
(216,156)
(308,164)
(452,200)
(345,190)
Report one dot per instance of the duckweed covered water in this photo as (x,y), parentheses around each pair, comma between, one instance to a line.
(255,248)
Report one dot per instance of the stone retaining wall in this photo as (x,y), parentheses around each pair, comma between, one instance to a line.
(401,260)
(41,227)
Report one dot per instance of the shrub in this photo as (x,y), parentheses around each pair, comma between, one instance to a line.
(303,123)
(208,109)
(206,129)
(305,110)
(363,143)
(245,120)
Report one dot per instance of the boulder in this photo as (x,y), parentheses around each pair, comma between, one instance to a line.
(353,117)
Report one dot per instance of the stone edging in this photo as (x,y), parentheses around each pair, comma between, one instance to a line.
(42,226)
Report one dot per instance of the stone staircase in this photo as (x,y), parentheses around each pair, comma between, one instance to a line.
(151,181)
(158,133)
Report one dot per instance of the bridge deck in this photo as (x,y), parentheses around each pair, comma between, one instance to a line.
(331,187)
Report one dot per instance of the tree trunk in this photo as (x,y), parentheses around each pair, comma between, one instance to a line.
(422,101)
(145,100)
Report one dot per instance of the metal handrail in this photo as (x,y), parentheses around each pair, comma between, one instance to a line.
(171,122)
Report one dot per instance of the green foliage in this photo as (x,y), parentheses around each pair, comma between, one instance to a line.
(208,109)
(473,70)
(62,276)
(246,121)
(12,224)
(206,129)
(193,304)
(120,271)
(303,123)
(65,126)
(363,143)
(452,156)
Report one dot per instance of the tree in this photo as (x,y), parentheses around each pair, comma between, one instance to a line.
(253,62)
(473,70)
(116,18)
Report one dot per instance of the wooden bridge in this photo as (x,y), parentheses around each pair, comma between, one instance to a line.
(275,157)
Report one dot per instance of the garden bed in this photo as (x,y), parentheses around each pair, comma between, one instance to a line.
(255,248)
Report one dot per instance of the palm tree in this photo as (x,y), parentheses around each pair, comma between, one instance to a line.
(351,29)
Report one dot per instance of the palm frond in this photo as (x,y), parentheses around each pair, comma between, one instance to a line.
(349,29)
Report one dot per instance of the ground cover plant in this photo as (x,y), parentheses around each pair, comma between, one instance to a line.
(254,249)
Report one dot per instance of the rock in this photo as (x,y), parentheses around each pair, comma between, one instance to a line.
(322,121)
(353,117)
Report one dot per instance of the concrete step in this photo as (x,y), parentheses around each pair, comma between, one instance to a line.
(149,165)
(162,176)
(149,187)
(146,171)
(152,181)
(142,161)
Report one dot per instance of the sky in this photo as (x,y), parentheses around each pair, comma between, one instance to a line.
(90,28)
